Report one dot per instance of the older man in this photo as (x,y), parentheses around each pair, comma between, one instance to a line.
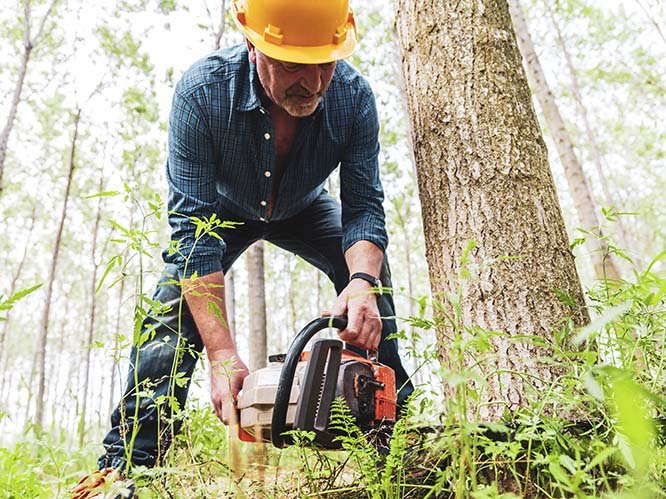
(255,130)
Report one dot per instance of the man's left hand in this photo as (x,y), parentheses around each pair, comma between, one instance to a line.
(364,325)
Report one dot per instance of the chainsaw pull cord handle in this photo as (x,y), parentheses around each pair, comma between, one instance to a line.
(278,423)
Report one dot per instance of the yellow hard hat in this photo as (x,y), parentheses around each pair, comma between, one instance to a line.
(303,31)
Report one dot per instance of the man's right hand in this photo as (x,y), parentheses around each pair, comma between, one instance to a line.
(228,372)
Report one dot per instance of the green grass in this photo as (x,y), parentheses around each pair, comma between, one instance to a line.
(590,434)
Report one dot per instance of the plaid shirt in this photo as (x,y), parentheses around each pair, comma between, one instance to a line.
(222,156)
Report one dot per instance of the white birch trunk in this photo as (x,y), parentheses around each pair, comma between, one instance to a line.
(256,306)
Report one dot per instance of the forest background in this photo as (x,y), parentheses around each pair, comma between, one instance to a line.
(83,193)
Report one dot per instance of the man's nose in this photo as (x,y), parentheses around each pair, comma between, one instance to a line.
(311,78)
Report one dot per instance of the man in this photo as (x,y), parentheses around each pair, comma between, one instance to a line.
(254,132)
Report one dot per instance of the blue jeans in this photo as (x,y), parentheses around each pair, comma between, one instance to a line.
(161,368)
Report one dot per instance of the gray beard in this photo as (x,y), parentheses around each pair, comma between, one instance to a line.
(299,110)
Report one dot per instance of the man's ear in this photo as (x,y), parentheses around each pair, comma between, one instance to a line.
(252,52)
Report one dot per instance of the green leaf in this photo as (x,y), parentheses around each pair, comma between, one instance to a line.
(11,301)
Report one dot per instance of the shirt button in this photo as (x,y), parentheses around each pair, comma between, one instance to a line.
(267,136)
(267,173)
(263,203)
(262,219)
(262,110)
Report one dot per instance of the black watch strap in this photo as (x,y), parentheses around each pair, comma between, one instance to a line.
(369,278)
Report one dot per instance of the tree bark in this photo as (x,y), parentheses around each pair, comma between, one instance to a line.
(604,265)
(256,305)
(44,327)
(483,176)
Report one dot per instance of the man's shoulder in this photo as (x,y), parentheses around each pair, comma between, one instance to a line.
(348,76)
(219,67)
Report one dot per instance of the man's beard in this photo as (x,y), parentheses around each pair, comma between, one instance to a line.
(299,109)
(298,102)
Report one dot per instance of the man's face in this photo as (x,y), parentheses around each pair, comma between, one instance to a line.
(296,88)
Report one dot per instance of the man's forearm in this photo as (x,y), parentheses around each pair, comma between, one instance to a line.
(364,256)
(206,299)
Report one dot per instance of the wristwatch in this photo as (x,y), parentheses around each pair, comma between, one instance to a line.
(368,278)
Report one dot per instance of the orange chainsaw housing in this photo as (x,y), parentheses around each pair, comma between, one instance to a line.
(385,404)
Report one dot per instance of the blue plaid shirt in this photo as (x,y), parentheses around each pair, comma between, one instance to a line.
(222,156)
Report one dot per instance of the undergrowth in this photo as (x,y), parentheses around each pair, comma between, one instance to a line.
(598,431)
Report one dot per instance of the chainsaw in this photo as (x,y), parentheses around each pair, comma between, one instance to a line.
(296,390)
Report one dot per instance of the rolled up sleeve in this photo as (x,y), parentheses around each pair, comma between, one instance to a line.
(361,190)
(191,176)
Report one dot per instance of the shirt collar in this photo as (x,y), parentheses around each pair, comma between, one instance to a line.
(251,90)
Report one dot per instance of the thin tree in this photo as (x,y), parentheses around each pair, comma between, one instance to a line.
(496,244)
(256,297)
(604,265)
(88,346)
(40,357)
(652,20)
(4,352)
(403,213)
(120,312)
(29,43)
(598,159)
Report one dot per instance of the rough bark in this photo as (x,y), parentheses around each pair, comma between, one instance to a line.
(483,176)
(28,45)
(40,359)
(604,265)
(256,306)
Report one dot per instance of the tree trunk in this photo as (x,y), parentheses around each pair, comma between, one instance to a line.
(44,327)
(598,158)
(399,205)
(604,265)
(256,296)
(4,352)
(28,45)
(18,89)
(116,345)
(483,176)
(91,318)
(217,34)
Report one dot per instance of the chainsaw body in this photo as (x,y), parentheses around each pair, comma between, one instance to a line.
(297,389)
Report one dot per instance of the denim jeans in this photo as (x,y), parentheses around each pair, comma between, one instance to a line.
(161,367)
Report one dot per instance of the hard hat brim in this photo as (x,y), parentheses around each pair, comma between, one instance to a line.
(304,55)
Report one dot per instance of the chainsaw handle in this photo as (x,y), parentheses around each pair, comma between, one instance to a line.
(278,423)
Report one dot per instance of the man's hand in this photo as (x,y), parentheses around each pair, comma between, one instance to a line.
(359,303)
(227,374)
